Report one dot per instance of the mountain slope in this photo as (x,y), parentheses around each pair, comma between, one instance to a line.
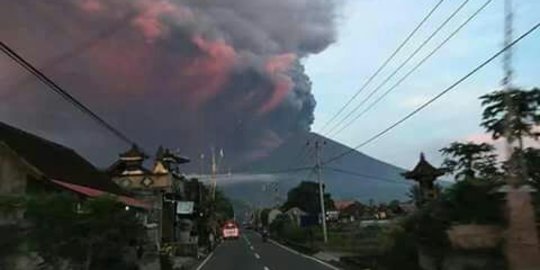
(263,186)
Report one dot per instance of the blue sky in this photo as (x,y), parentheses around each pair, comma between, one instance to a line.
(369,30)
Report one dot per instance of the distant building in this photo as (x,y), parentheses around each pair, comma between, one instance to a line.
(272,215)
(296,215)
(352,212)
(29,163)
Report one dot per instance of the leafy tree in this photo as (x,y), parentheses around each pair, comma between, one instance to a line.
(306,197)
(264,216)
(532,162)
(93,235)
(474,201)
(512,114)
(470,160)
(398,249)
(223,207)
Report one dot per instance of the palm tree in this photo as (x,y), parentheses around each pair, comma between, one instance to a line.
(512,114)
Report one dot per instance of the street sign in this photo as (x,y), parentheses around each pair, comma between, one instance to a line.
(184,207)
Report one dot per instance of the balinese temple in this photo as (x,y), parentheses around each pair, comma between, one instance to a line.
(167,161)
(161,186)
(425,175)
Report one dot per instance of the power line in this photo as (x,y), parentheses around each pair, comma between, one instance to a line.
(113,29)
(420,63)
(370,177)
(448,89)
(405,62)
(301,153)
(58,90)
(288,170)
(384,64)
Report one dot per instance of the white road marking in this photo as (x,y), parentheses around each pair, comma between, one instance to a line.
(251,247)
(205,261)
(257,256)
(266,268)
(303,255)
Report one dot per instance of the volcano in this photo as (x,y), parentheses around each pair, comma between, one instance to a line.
(356,176)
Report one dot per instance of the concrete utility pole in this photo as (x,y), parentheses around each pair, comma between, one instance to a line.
(321,189)
(522,247)
(214,170)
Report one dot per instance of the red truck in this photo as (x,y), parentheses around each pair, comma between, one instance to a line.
(230,230)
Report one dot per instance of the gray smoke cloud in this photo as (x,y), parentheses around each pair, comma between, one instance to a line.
(188,74)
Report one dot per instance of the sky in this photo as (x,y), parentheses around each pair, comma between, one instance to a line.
(232,73)
(369,31)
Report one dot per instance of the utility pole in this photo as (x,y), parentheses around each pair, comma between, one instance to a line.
(201,165)
(215,166)
(214,170)
(321,189)
(521,236)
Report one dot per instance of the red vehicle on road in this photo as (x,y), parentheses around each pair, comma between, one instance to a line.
(230,230)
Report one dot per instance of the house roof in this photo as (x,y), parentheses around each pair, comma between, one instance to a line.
(56,161)
(90,192)
(340,205)
(423,168)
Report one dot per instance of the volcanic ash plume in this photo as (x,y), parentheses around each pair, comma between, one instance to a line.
(186,73)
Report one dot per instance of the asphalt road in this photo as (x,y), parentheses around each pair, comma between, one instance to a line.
(250,253)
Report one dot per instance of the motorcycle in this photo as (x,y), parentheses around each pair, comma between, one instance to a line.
(265,236)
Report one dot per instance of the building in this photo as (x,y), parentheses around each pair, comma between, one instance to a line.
(352,211)
(296,214)
(163,187)
(29,163)
(272,215)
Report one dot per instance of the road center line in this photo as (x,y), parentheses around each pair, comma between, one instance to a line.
(251,247)
(266,268)
(257,256)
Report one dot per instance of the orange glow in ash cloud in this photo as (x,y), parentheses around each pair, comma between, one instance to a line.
(277,67)
(91,5)
(209,73)
(149,21)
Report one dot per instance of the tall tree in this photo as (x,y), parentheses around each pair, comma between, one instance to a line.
(306,197)
(512,114)
(470,160)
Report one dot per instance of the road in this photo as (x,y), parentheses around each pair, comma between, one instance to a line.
(250,253)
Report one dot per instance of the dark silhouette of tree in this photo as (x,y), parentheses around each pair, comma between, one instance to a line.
(470,160)
(306,197)
(91,234)
(511,114)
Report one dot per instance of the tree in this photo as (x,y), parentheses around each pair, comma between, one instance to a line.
(264,216)
(94,234)
(512,114)
(223,207)
(306,197)
(470,160)
(532,163)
